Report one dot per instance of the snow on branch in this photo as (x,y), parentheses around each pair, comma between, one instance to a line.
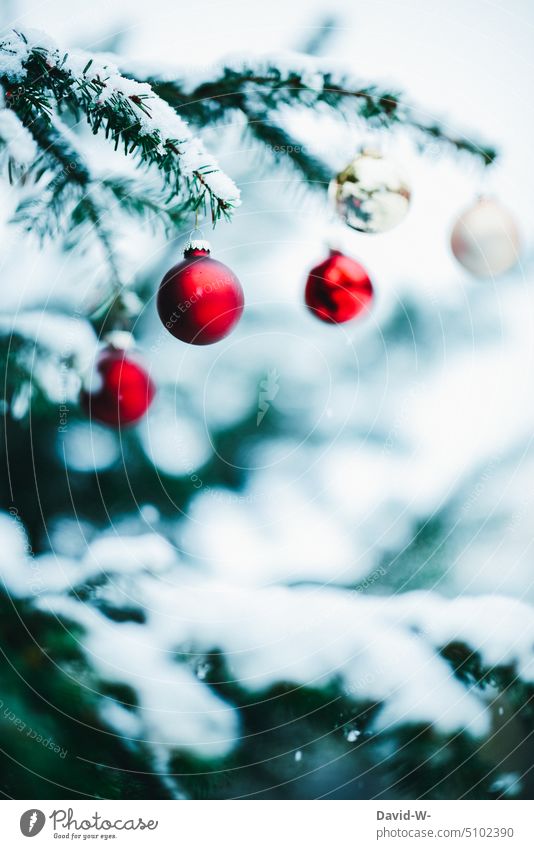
(260,86)
(39,368)
(392,655)
(16,141)
(38,77)
(148,119)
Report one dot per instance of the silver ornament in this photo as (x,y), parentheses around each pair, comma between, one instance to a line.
(371,195)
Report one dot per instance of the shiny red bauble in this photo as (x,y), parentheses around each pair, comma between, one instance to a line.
(338,289)
(119,390)
(200,300)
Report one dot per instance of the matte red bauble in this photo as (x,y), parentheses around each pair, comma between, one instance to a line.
(119,390)
(338,289)
(200,300)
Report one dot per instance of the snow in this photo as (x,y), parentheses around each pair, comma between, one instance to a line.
(263,536)
(274,65)
(88,447)
(176,711)
(472,621)
(20,403)
(508,784)
(369,648)
(59,348)
(365,646)
(14,546)
(62,335)
(397,459)
(126,554)
(16,139)
(197,245)
(173,441)
(25,574)
(125,721)
(122,340)
(14,51)
(161,119)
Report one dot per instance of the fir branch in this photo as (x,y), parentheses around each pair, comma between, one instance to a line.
(253,87)
(316,39)
(145,203)
(72,193)
(94,202)
(284,148)
(74,198)
(38,79)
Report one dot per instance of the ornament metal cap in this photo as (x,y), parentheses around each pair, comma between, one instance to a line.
(122,340)
(193,245)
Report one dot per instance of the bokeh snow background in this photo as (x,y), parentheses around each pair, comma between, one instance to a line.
(382,432)
(419,416)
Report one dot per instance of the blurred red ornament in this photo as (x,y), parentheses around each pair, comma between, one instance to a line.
(119,390)
(338,289)
(200,300)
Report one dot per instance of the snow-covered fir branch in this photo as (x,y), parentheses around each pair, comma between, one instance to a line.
(157,628)
(69,195)
(71,198)
(16,142)
(38,78)
(260,87)
(151,119)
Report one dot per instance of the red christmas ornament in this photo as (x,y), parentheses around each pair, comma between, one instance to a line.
(119,390)
(338,289)
(200,300)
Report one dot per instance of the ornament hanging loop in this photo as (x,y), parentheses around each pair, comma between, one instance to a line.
(196,240)
(200,234)
(370,143)
(196,230)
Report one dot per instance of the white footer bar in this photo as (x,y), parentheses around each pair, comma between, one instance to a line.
(268,824)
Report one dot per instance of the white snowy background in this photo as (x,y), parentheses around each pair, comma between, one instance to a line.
(381,437)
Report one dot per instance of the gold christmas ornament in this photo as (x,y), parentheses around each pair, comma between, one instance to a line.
(485,239)
(371,195)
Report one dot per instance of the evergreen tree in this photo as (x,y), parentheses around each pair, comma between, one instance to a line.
(144,653)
